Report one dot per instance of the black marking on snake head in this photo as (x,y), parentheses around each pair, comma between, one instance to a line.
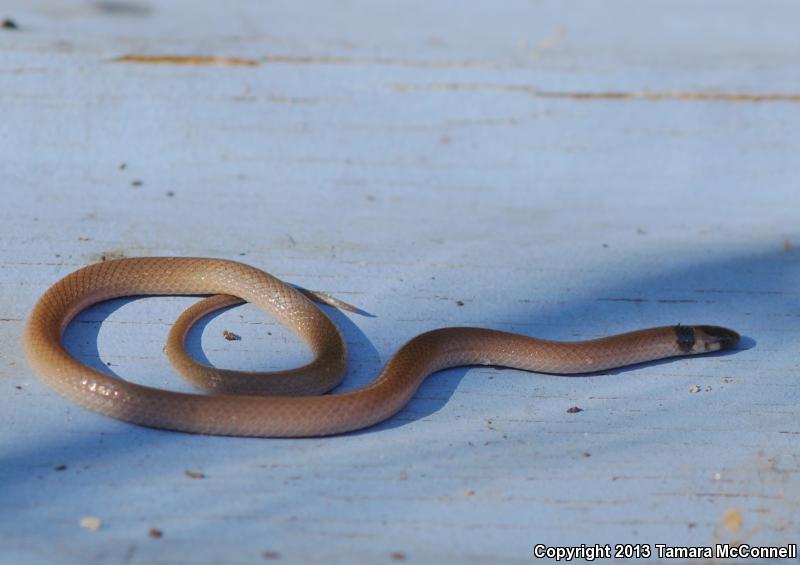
(685,337)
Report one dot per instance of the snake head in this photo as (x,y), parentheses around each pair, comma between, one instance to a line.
(714,338)
(703,339)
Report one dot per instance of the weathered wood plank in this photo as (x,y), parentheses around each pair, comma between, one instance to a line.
(564,170)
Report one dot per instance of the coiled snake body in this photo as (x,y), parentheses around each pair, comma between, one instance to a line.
(292,403)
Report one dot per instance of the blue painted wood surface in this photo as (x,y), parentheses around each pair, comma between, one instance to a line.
(562,169)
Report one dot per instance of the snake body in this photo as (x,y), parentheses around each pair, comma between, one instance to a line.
(292,403)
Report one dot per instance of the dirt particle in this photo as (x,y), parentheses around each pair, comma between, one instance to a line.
(398,556)
(91,523)
(574,410)
(271,555)
(136,183)
(370,198)
(469,492)
(459,302)
(155,533)
(123,166)
(586,455)
(109,255)
(8,23)
(230,336)
(194,474)
(19,387)
(694,389)
(170,194)
(60,468)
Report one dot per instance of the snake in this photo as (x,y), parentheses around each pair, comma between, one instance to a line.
(295,403)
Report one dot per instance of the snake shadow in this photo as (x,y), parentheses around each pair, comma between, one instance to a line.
(360,350)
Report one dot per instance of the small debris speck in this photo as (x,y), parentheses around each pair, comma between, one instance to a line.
(91,523)
(155,533)
(170,194)
(398,556)
(459,302)
(60,468)
(19,387)
(787,245)
(271,555)
(230,336)
(195,474)
(694,388)
(469,493)
(136,183)
(586,454)
(123,166)
(8,23)
(574,410)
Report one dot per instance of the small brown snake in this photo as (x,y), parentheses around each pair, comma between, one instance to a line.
(293,403)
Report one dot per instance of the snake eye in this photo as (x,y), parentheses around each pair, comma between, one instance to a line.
(716,337)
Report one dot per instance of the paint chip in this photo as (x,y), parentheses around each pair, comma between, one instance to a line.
(733,520)
(230,336)
(201,60)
